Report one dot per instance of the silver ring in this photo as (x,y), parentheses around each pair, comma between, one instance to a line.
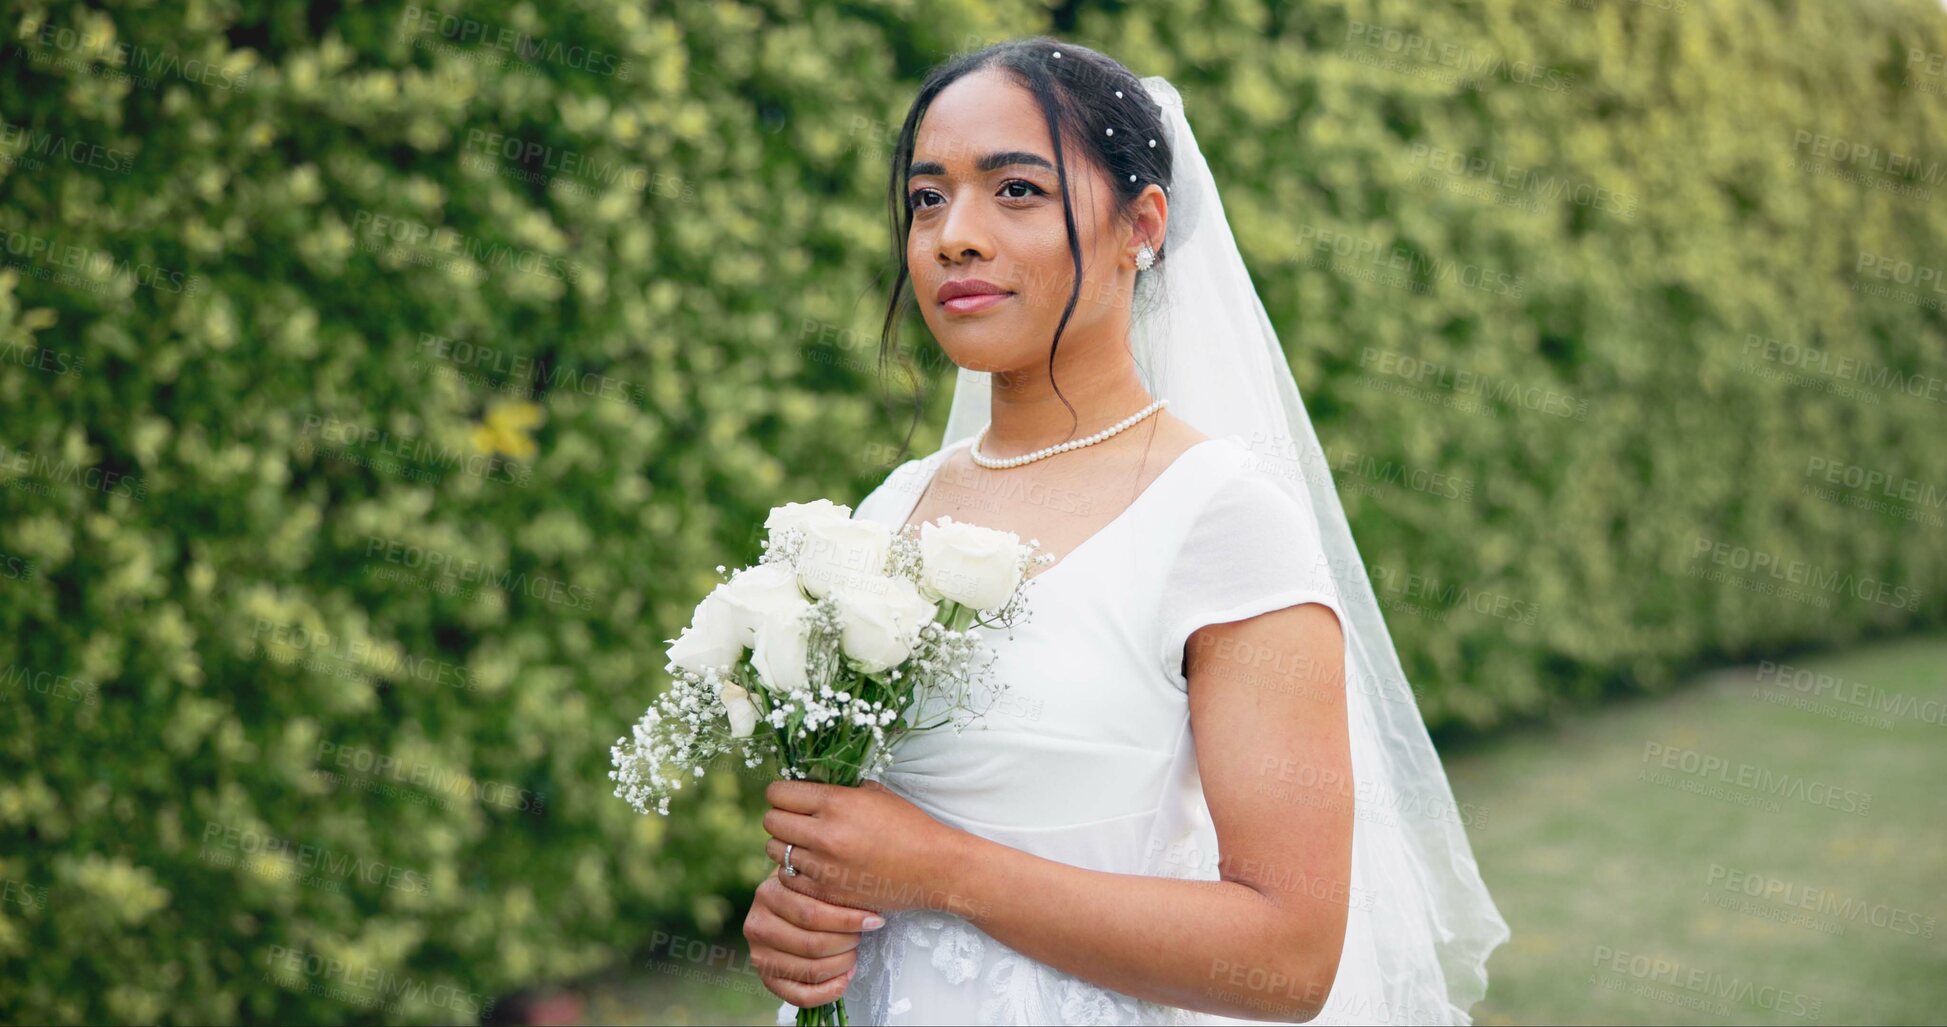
(789,870)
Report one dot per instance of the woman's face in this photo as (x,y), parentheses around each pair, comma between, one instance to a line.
(987,206)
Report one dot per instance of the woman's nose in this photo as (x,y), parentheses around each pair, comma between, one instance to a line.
(963,235)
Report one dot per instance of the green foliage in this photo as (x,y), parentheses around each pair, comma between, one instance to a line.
(380,390)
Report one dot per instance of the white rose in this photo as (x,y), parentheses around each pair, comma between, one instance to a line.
(782,650)
(977,567)
(712,640)
(737,703)
(754,593)
(838,552)
(879,621)
(797,515)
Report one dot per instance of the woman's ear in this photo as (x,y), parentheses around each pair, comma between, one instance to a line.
(1152,218)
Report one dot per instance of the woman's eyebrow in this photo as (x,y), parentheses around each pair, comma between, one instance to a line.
(987,162)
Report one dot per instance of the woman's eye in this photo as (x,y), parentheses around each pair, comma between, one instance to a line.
(917,199)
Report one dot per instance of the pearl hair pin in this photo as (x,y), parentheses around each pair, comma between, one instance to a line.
(1118,95)
(1047,451)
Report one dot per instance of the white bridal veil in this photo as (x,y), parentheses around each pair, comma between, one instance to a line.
(1421,921)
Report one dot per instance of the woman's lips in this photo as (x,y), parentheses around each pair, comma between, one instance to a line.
(969,304)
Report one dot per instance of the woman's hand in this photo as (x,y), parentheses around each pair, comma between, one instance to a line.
(803,949)
(863,847)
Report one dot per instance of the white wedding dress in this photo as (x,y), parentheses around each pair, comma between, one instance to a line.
(1087,757)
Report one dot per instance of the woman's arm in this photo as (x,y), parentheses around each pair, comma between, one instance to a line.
(1268,712)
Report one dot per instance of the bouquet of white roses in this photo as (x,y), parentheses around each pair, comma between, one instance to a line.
(843,638)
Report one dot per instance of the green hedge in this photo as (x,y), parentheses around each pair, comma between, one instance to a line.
(380,388)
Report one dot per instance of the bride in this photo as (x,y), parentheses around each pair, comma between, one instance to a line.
(1206,794)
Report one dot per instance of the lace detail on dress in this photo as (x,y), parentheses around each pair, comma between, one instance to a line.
(881,957)
(1085,1003)
(1016,989)
(1026,991)
(956,945)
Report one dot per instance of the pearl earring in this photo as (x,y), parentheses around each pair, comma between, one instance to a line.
(1145,258)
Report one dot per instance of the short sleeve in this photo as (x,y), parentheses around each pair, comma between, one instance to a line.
(1253,548)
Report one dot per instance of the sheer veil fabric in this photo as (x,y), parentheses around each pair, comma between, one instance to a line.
(1422,923)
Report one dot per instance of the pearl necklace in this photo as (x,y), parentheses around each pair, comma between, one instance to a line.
(1048,451)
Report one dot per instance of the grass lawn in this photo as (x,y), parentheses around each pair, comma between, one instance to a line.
(1798,880)
(1581,851)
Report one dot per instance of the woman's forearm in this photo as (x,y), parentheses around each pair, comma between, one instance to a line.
(1215,946)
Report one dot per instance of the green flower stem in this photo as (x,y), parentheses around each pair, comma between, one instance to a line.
(824,1016)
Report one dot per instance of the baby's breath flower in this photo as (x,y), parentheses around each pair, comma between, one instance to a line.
(841,708)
